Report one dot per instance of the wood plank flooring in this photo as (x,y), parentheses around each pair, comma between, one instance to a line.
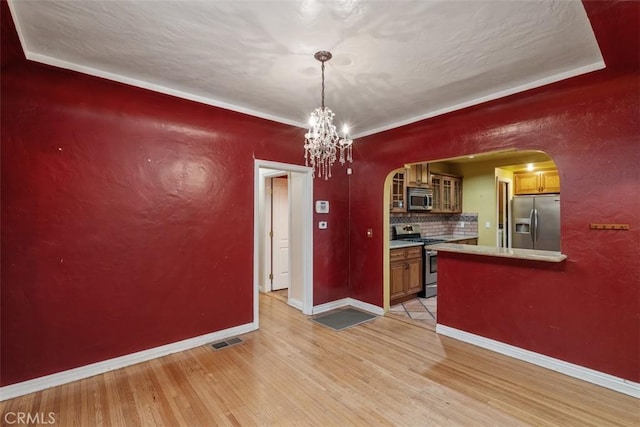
(296,372)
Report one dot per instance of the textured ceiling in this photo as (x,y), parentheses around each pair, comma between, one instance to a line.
(395,62)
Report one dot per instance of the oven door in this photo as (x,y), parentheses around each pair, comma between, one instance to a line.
(430,267)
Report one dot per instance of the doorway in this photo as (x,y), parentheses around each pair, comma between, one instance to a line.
(297,218)
(277,229)
(503,213)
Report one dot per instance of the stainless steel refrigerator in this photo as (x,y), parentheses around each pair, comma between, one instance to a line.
(536,222)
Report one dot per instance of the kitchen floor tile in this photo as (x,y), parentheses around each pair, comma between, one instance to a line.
(420,315)
(430,323)
(428,302)
(423,310)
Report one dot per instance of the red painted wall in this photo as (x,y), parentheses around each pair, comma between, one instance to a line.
(586,311)
(105,253)
(127,217)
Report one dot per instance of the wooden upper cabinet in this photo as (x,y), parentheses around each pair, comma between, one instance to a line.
(541,182)
(550,182)
(447,193)
(398,200)
(436,186)
(418,175)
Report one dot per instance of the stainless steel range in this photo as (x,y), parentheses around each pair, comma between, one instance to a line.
(411,233)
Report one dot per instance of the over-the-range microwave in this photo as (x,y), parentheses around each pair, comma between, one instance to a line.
(419,199)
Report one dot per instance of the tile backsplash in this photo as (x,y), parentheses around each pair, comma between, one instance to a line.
(439,224)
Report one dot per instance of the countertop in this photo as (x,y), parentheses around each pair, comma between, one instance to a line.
(529,254)
(451,246)
(454,237)
(396,244)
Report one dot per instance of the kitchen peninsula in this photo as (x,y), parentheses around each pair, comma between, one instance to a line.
(493,251)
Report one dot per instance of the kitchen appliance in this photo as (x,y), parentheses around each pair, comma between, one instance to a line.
(411,233)
(419,199)
(430,273)
(536,222)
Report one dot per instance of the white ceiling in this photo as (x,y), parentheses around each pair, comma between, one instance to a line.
(395,62)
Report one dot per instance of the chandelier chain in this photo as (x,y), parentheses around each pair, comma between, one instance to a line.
(322,84)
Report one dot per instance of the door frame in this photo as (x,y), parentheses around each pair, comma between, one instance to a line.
(501,181)
(302,208)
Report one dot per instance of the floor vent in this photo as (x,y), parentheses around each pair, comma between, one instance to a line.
(226,343)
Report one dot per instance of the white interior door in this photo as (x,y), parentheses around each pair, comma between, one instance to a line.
(280,230)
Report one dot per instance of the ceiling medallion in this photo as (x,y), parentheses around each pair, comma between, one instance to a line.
(321,143)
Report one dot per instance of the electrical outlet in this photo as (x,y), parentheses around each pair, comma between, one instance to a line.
(369,232)
(322,225)
(487,224)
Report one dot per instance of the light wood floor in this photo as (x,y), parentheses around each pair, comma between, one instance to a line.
(296,372)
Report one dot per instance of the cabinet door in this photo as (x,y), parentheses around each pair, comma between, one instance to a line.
(550,182)
(456,196)
(447,183)
(399,192)
(525,183)
(418,175)
(397,282)
(414,275)
(436,186)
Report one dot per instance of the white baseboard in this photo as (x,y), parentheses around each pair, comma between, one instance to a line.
(328,306)
(586,374)
(64,377)
(295,303)
(346,302)
(374,309)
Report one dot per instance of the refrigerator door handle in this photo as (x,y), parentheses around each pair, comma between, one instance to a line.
(535,227)
(532,225)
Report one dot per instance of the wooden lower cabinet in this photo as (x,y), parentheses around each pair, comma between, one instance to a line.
(473,241)
(406,273)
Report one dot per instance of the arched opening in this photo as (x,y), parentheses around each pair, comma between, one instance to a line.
(473,198)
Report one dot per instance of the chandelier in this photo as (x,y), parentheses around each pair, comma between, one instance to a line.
(322,143)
